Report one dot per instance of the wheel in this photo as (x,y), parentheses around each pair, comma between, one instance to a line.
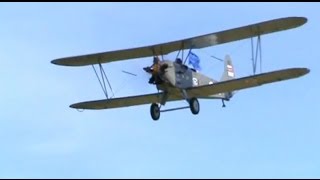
(155,111)
(194,105)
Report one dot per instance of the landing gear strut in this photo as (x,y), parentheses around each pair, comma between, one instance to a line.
(194,106)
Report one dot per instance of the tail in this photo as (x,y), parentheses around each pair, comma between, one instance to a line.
(228,74)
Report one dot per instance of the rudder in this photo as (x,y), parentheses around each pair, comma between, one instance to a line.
(228,74)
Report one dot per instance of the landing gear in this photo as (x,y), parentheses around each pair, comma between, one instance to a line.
(155,111)
(194,105)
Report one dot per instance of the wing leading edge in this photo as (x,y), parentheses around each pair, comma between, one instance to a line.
(201,91)
(203,41)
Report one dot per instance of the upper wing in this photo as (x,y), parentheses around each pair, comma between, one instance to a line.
(195,43)
(201,91)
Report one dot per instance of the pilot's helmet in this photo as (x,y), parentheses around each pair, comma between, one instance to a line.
(179,61)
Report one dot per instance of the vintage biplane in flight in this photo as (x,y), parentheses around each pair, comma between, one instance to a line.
(175,80)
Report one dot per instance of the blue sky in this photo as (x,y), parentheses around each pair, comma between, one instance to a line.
(267,132)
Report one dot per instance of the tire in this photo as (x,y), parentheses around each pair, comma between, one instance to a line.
(155,111)
(194,105)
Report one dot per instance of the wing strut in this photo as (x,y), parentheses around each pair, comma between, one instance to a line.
(182,52)
(103,77)
(255,51)
(184,62)
(182,49)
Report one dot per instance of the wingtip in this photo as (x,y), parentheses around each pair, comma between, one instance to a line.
(303,71)
(297,21)
(60,62)
(57,62)
(73,106)
(303,20)
(54,62)
(307,70)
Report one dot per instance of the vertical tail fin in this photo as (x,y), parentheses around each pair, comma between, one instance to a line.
(228,74)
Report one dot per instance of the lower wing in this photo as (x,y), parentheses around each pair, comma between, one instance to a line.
(200,91)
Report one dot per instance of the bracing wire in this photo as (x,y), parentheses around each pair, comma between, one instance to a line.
(104,90)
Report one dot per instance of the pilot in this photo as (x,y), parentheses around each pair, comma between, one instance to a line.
(178,61)
(154,69)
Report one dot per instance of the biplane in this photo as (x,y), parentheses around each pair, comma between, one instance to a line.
(175,80)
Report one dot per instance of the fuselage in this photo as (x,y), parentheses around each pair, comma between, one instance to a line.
(179,76)
(183,77)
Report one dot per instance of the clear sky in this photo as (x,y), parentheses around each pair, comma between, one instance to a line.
(267,132)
